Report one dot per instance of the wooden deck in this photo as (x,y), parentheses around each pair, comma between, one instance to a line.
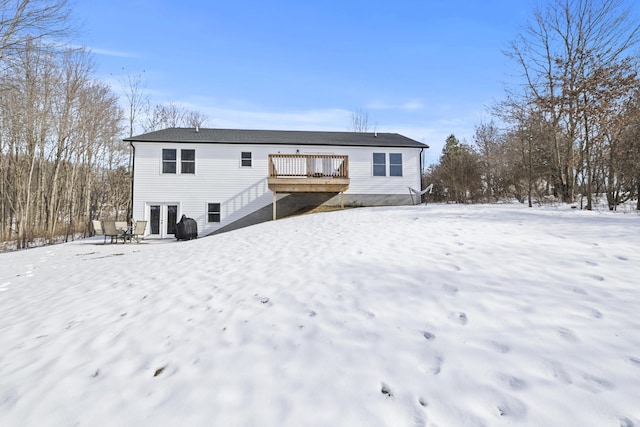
(308,173)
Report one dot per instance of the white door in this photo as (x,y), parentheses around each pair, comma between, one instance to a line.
(162,219)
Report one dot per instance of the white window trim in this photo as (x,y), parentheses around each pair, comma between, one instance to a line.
(373,165)
(250,159)
(178,161)
(401,166)
(195,166)
(219,212)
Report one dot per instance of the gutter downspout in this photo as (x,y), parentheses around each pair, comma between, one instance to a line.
(421,166)
(133,166)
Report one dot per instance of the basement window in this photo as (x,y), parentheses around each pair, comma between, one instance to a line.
(213,212)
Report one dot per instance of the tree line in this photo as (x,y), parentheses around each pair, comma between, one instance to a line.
(62,158)
(570,129)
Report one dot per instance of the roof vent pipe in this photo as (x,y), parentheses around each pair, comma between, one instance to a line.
(197,130)
(375,134)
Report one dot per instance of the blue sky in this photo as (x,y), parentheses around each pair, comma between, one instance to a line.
(422,68)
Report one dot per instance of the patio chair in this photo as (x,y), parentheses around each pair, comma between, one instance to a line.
(110,230)
(138,231)
(124,230)
(96,228)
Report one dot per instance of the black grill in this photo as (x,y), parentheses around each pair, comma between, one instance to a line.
(186,229)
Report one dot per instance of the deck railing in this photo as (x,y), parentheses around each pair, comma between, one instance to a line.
(308,166)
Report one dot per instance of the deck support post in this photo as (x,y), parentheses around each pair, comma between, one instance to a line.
(274,205)
(342,200)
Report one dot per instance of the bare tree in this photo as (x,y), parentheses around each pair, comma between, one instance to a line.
(359,121)
(171,115)
(137,99)
(487,139)
(26,21)
(138,103)
(195,119)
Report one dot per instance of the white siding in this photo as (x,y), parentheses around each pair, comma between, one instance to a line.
(220,178)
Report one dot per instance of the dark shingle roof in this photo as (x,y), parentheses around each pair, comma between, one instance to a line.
(239,136)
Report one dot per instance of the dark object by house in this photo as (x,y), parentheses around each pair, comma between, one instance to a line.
(186,229)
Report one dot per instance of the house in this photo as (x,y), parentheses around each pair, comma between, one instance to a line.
(227,179)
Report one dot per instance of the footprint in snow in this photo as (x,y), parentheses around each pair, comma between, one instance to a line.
(591,263)
(368,314)
(559,373)
(512,382)
(436,365)
(622,258)
(510,407)
(595,384)
(500,348)
(635,361)
(450,289)
(567,334)
(579,291)
(386,390)
(428,336)
(460,317)
(595,313)
(626,422)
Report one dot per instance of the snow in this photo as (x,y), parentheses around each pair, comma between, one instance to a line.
(438,315)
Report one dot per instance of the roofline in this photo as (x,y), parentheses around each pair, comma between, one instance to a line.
(328,144)
(139,138)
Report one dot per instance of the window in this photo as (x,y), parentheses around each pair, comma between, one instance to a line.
(379,164)
(213,212)
(168,160)
(187,161)
(395,164)
(245,157)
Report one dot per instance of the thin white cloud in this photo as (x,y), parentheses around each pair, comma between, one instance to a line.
(412,105)
(450,122)
(107,52)
(100,51)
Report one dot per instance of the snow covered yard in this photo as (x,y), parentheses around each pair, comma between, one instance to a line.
(441,315)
